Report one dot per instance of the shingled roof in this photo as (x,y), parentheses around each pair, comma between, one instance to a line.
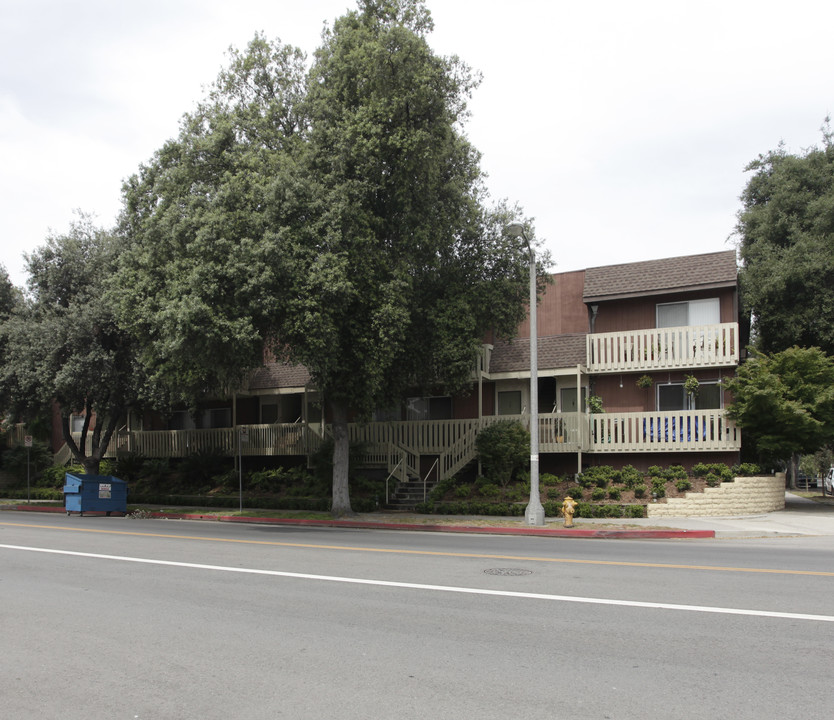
(278,375)
(690,272)
(554,351)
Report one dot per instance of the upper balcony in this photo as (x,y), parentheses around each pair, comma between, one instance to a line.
(671,348)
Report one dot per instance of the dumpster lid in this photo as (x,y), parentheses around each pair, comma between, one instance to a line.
(78,478)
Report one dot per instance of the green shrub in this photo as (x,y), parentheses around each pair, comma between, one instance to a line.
(585,481)
(199,467)
(548,479)
(598,476)
(636,511)
(676,472)
(442,487)
(21,461)
(517,493)
(598,494)
(683,485)
(504,449)
(658,487)
(719,469)
(554,494)
(55,475)
(228,481)
(489,490)
(35,493)
(655,471)
(712,480)
(471,508)
(630,476)
(583,509)
(746,469)
(552,508)
(614,494)
(130,467)
(463,491)
(639,491)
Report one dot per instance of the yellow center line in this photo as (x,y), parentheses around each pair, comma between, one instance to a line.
(433,553)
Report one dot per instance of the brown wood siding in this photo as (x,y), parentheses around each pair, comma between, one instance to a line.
(561,309)
(489,398)
(630,398)
(465,407)
(641,313)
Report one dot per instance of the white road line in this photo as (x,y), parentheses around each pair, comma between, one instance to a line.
(437,588)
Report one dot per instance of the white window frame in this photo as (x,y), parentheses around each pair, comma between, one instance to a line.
(695,309)
(690,403)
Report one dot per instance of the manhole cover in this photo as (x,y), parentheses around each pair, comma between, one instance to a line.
(508,571)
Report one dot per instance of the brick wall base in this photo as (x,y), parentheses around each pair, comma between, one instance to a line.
(743,496)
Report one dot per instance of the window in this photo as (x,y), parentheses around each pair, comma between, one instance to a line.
(671,397)
(509,402)
(674,397)
(181,420)
(217,418)
(692,312)
(567,397)
(388,414)
(429,408)
(76,423)
(709,397)
(269,410)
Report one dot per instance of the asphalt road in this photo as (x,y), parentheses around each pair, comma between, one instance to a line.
(149,619)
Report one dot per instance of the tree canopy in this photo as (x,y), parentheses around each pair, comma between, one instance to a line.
(786,233)
(336,215)
(784,402)
(63,344)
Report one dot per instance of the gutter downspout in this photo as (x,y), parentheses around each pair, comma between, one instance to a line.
(579,417)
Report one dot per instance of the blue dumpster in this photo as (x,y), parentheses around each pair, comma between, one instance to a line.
(94,493)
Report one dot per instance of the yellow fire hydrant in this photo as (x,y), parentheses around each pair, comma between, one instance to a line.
(568,508)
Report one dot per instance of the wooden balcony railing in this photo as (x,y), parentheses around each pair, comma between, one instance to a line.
(664,348)
(681,431)
(399,445)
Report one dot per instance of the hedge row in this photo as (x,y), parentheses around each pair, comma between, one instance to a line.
(551,509)
(208,501)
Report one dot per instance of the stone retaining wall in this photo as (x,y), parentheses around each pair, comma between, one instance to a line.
(743,496)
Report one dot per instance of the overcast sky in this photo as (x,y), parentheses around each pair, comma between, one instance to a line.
(623,128)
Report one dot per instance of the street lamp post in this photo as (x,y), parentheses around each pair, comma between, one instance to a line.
(534,514)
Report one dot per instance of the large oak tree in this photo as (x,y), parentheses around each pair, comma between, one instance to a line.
(63,344)
(336,213)
(786,233)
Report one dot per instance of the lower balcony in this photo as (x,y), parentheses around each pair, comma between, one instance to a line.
(671,431)
(451,442)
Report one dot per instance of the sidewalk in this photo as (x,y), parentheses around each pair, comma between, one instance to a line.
(801,517)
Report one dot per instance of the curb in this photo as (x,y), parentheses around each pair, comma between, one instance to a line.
(602,533)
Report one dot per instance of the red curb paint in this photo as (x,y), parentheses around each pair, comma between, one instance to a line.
(360,525)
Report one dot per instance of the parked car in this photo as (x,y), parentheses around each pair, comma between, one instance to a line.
(828,482)
(805,482)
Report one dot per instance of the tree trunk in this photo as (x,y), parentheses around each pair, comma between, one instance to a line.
(91,464)
(99,442)
(794,472)
(341,448)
